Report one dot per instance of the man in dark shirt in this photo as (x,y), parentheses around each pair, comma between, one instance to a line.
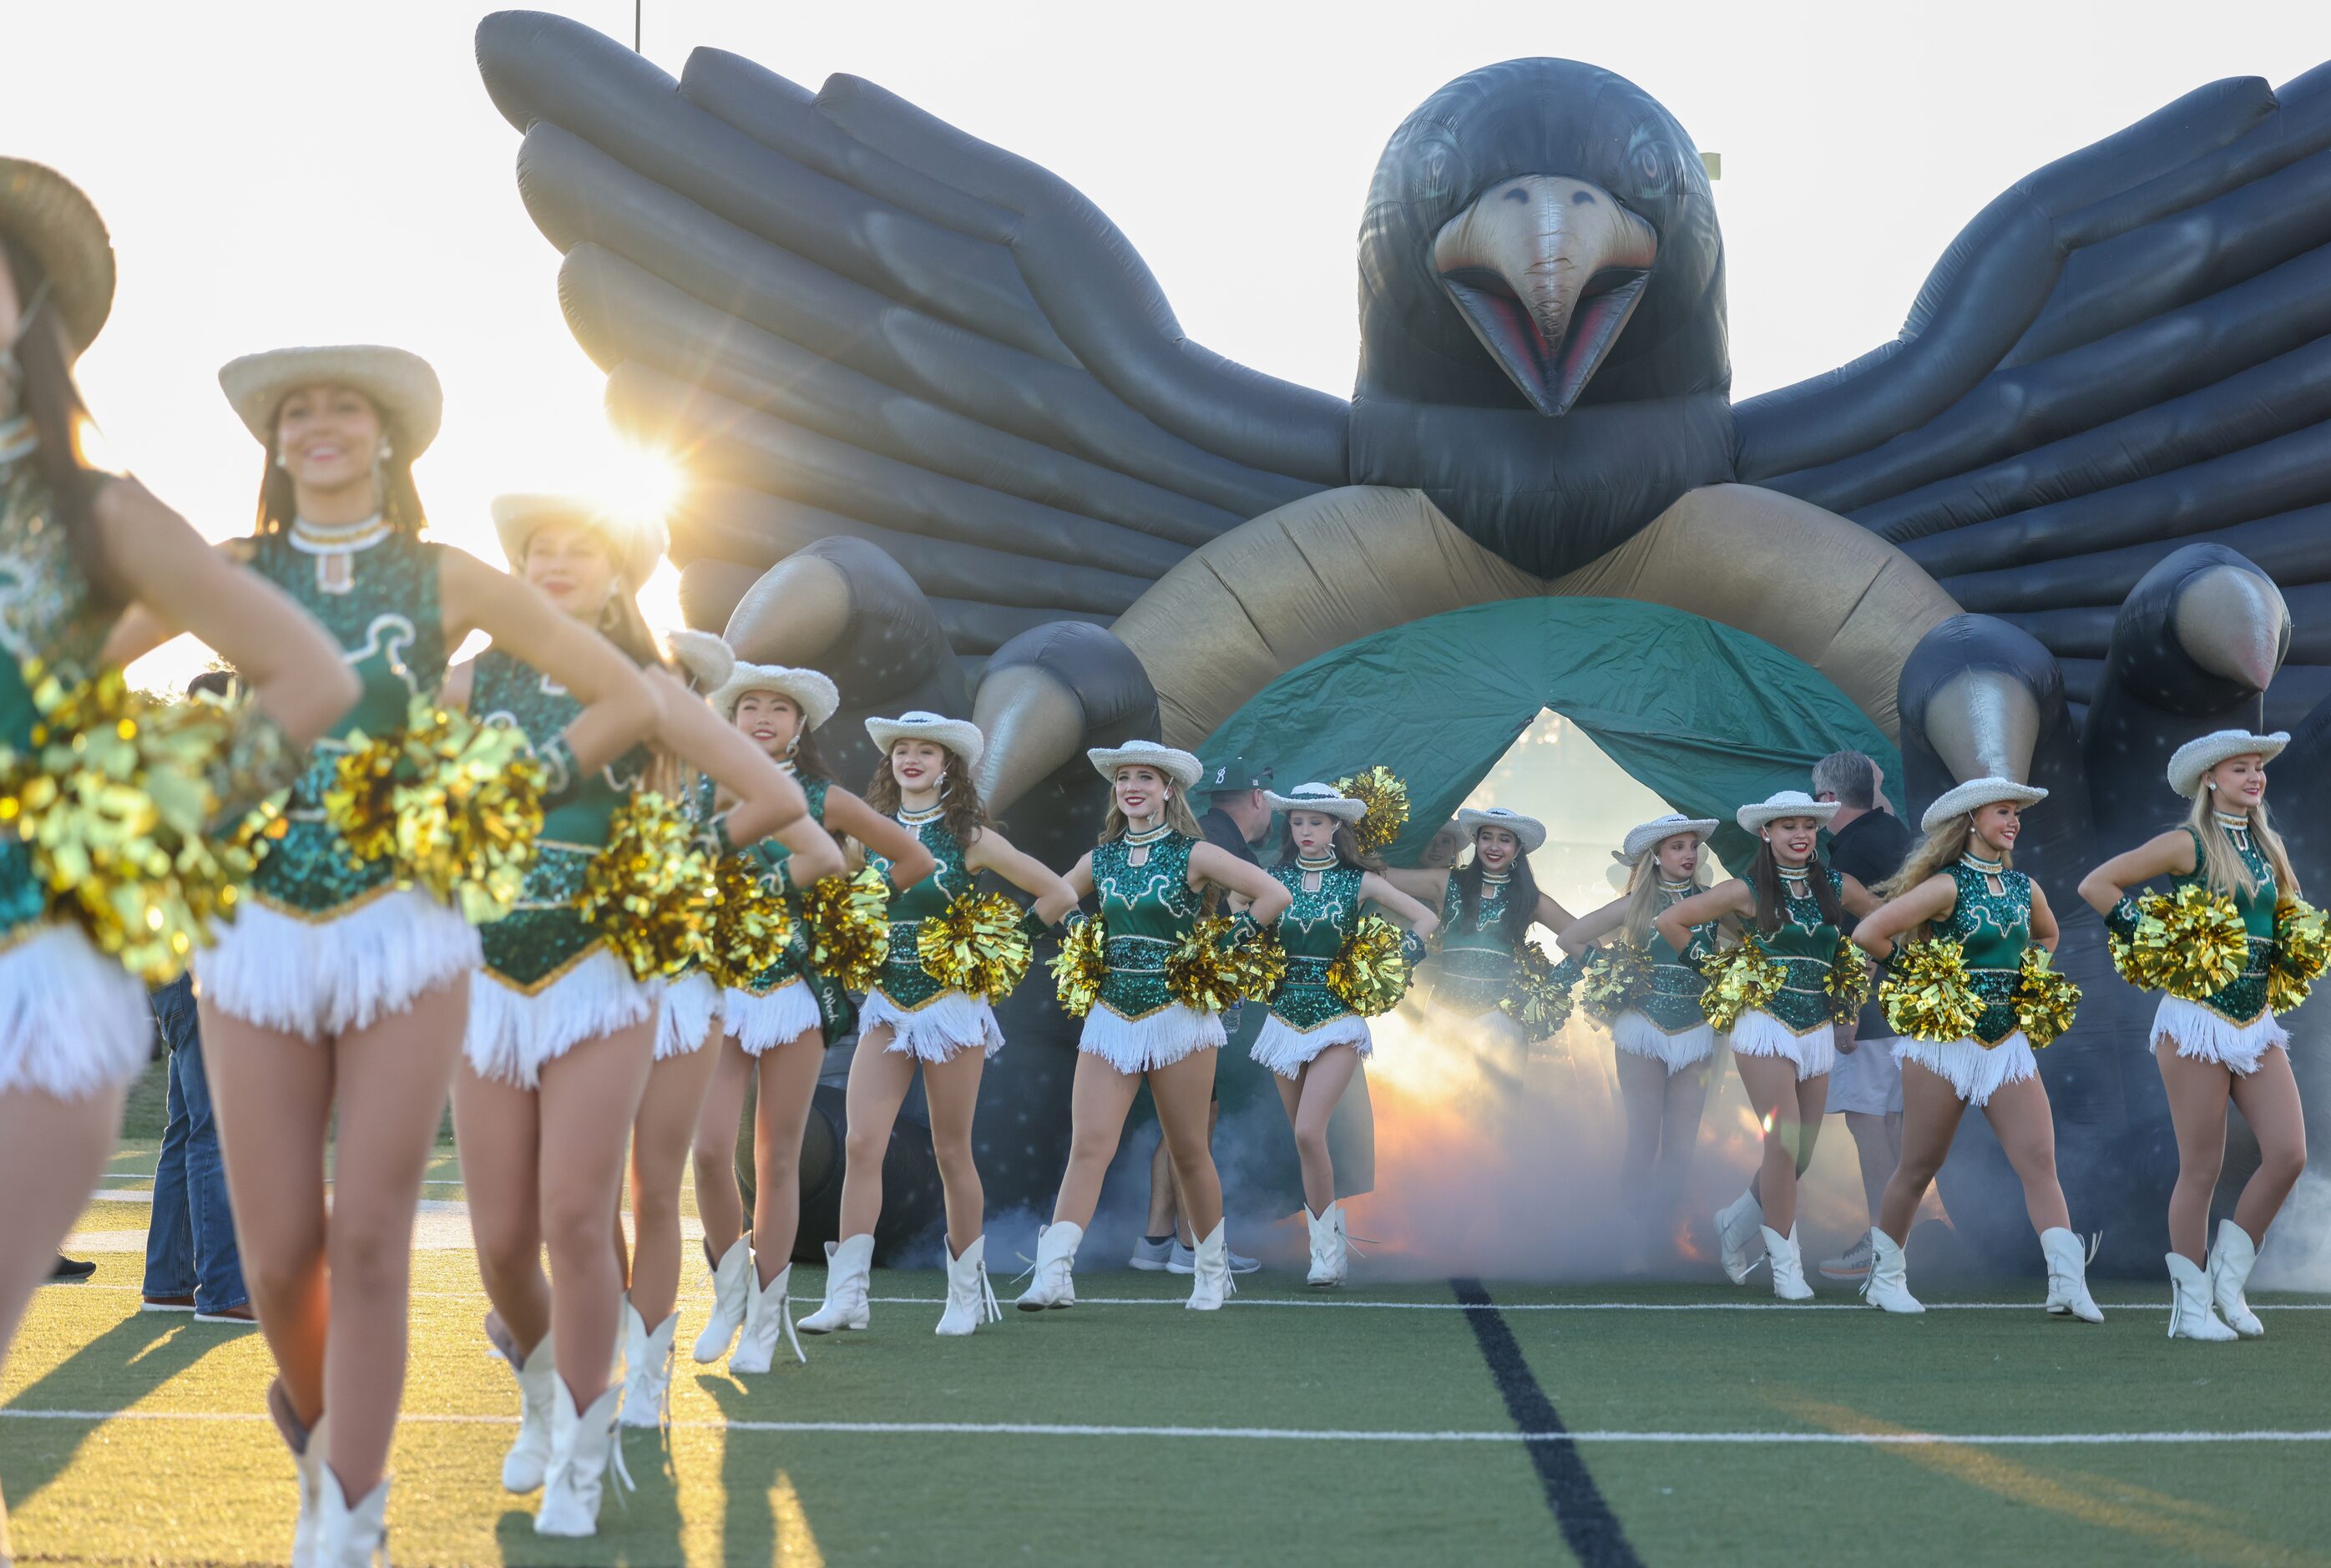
(1868,843)
(1237,818)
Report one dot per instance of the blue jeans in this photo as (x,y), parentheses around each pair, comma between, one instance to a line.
(190,1246)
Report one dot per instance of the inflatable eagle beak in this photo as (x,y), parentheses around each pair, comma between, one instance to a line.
(1546,271)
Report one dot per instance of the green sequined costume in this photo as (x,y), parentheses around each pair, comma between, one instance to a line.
(1472,967)
(2234,1027)
(1796,1023)
(928,1022)
(76,1022)
(549,980)
(788,999)
(1305,1016)
(1668,1026)
(1993,931)
(327,944)
(1145,911)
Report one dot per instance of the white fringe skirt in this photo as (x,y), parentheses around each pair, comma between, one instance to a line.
(1635,1034)
(1759,1034)
(320,978)
(1139,1044)
(1286,1049)
(1976,1071)
(691,1004)
(946,1026)
(765,1022)
(513,1033)
(72,1021)
(2205,1035)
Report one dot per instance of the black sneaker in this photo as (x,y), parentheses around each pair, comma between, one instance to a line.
(71,1270)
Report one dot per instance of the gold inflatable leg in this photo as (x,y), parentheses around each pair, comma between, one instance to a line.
(1344,564)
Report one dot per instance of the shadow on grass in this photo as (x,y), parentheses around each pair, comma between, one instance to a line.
(115,1370)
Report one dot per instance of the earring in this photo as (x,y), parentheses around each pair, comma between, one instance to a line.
(2213,786)
(282,462)
(384,453)
(794,745)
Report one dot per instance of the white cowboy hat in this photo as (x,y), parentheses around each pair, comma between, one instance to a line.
(959,735)
(57,226)
(1529,830)
(1975,794)
(1643,839)
(2198,756)
(708,660)
(814,692)
(400,385)
(1178,765)
(637,545)
(1320,798)
(1787,803)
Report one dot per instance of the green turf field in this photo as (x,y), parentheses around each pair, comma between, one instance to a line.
(1376,1425)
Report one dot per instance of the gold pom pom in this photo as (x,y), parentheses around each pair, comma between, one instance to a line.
(751,927)
(1928,993)
(975,945)
(1369,974)
(2045,998)
(2191,944)
(453,805)
(2302,944)
(1538,996)
(1201,972)
(1387,801)
(1081,968)
(1848,980)
(1258,964)
(847,925)
(111,801)
(1740,980)
(650,891)
(1615,978)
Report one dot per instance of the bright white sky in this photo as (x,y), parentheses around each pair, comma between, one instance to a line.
(281,171)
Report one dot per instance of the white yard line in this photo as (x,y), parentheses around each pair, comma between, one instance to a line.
(1299,1434)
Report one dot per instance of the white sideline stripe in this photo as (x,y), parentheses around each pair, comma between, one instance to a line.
(699,1294)
(1297,1434)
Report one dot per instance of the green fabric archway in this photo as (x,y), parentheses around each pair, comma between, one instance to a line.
(1706,717)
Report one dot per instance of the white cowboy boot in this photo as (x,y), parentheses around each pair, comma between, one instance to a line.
(849,1264)
(350,1537)
(766,1319)
(732,1281)
(583,1452)
(1888,1284)
(1211,1285)
(1328,1251)
(529,1456)
(308,1446)
(2191,1315)
(2068,1275)
(2231,1262)
(1055,1283)
(1739,1229)
(1788,1264)
(970,1299)
(647,1369)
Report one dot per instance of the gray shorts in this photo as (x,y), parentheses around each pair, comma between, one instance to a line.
(1869,1081)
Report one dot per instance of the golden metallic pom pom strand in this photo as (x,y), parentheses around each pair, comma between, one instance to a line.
(847,927)
(1080,968)
(1928,993)
(2191,944)
(1538,997)
(975,945)
(2045,998)
(1614,979)
(1369,974)
(1387,801)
